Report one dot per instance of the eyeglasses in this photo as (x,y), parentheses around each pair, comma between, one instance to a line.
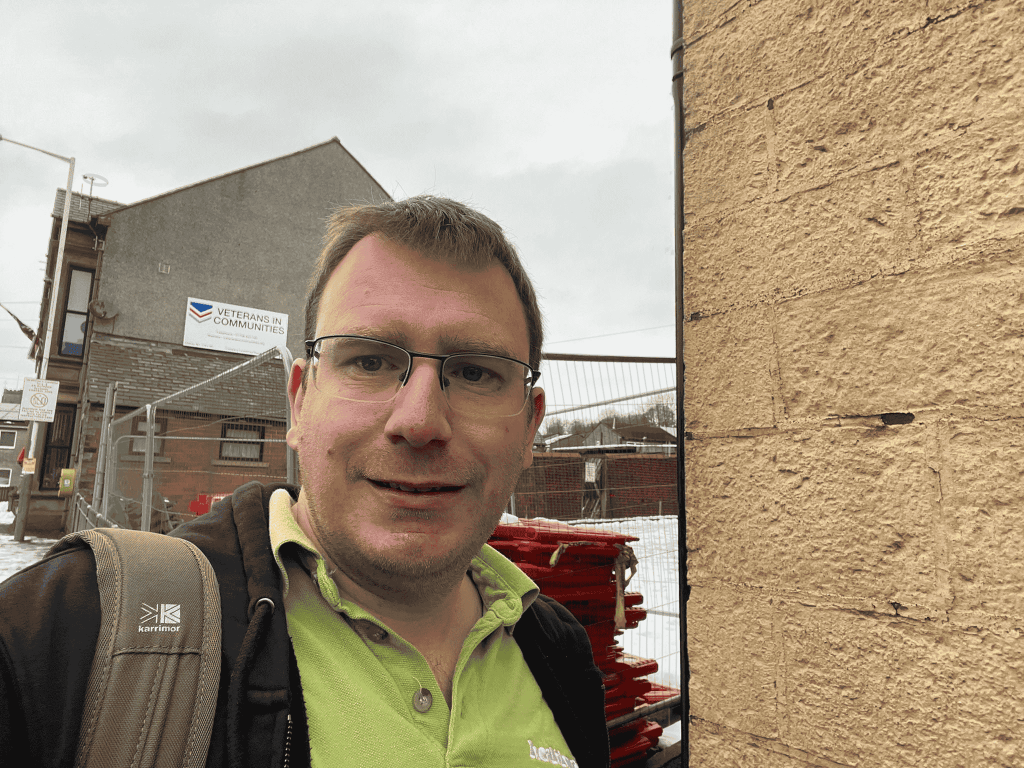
(366,370)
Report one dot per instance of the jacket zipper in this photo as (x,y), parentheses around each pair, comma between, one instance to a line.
(288,743)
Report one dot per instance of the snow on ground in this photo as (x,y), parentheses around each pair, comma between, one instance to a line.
(17,555)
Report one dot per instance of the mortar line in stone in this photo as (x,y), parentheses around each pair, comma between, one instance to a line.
(772,159)
(944,485)
(781,672)
(779,412)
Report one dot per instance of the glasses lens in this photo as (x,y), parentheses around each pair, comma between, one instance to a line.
(484,385)
(359,369)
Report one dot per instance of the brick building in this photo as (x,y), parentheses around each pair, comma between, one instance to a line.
(138,283)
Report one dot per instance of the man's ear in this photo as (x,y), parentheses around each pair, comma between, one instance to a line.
(539,404)
(296,396)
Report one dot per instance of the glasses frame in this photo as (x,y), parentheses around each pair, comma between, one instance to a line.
(311,346)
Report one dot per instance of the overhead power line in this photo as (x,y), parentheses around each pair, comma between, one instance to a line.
(617,333)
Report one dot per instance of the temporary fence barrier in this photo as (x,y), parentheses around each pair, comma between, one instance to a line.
(605,461)
(165,462)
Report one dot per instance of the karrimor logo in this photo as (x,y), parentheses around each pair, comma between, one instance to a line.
(199,311)
(163,617)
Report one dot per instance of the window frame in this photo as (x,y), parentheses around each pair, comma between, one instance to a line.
(66,312)
(242,426)
(138,434)
(14,442)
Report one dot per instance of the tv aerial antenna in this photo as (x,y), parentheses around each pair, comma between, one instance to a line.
(94,179)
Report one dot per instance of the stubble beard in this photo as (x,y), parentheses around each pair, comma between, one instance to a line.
(391,574)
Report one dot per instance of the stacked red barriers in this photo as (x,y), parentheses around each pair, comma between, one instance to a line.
(577,567)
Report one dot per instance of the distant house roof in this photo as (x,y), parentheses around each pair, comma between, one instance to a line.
(562,440)
(249,168)
(82,206)
(647,433)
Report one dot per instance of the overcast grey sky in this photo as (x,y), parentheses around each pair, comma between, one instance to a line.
(553,117)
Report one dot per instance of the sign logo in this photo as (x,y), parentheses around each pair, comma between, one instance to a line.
(163,617)
(199,311)
(224,327)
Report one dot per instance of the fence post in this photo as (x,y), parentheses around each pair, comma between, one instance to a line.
(101,459)
(147,472)
(291,463)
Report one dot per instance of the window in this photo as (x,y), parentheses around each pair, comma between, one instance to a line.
(7,438)
(138,444)
(76,312)
(5,478)
(232,449)
(57,453)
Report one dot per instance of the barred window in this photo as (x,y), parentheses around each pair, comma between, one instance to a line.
(232,447)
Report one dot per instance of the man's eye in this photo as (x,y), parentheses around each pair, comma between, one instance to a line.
(472,373)
(477,376)
(368,364)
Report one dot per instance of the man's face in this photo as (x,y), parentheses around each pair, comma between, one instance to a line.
(370,471)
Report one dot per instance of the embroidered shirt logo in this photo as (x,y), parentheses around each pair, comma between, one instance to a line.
(551,755)
(163,617)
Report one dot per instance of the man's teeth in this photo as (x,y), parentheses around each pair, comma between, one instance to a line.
(410,489)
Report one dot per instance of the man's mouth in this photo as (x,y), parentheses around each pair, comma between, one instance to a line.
(416,488)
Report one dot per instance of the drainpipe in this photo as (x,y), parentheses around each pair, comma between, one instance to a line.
(84,407)
(678,94)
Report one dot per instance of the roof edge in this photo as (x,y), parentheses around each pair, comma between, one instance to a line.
(175,191)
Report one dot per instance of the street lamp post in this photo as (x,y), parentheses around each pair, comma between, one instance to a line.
(22,514)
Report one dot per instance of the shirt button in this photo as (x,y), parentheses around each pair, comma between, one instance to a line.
(378,635)
(421,700)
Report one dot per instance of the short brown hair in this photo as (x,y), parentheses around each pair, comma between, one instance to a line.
(436,227)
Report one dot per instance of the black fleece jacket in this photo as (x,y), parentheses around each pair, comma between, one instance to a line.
(49,622)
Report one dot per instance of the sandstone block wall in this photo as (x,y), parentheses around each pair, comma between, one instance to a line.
(854,405)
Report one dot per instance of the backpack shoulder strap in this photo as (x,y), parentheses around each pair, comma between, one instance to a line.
(155,675)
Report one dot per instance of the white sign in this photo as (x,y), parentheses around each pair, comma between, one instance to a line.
(230,328)
(39,400)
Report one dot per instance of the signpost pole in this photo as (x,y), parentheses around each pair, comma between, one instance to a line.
(26,477)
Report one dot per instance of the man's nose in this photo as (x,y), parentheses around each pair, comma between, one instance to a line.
(420,411)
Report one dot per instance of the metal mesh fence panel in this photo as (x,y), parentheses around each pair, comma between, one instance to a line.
(170,460)
(606,459)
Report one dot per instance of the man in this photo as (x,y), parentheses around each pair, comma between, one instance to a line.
(364,620)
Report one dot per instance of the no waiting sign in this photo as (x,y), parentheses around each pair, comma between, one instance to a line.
(39,400)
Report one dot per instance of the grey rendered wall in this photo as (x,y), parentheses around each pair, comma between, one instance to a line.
(854,287)
(249,238)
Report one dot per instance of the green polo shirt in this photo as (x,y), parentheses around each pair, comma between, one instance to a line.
(371,698)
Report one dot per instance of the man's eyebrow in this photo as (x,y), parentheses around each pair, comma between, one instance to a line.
(454,345)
